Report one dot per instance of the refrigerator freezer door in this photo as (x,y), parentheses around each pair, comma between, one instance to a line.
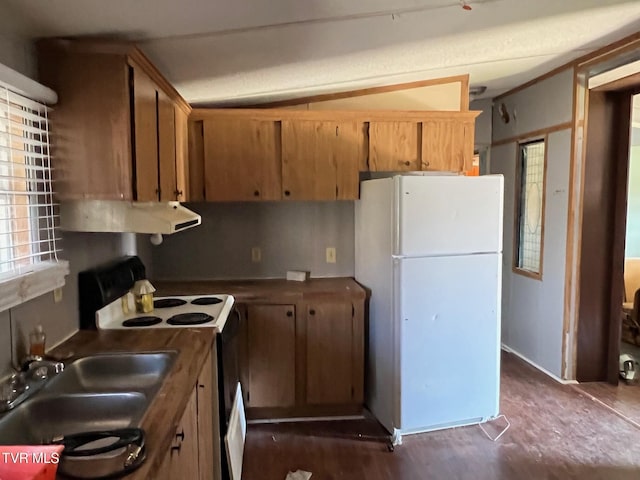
(448,215)
(449,314)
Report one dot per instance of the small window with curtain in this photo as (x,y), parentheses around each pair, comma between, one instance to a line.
(529,234)
(29,242)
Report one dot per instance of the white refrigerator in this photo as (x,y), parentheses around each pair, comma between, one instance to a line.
(430,250)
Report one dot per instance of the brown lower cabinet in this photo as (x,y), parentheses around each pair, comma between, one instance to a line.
(182,459)
(333,354)
(303,359)
(195,451)
(271,332)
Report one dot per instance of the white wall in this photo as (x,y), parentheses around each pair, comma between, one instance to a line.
(15,51)
(533,310)
(544,104)
(632,248)
(482,137)
(61,320)
(291,235)
(443,96)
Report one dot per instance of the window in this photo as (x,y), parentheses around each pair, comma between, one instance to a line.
(28,215)
(530,208)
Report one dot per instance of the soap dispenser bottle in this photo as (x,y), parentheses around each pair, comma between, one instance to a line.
(37,339)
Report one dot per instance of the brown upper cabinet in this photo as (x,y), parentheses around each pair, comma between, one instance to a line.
(319,160)
(276,154)
(394,146)
(120,129)
(439,144)
(242,160)
(447,145)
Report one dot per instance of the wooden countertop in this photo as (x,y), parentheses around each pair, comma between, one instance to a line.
(272,290)
(166,410)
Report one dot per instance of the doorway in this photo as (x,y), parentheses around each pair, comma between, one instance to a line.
(630,334)
(604,219)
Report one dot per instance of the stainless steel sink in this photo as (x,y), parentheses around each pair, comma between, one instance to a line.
(99,392)
(117,372)
(43,418)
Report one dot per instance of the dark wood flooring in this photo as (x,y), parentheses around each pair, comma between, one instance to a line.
(624,399)
(557,432)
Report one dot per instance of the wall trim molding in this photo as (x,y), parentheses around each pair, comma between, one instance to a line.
(535,133)
(538,367)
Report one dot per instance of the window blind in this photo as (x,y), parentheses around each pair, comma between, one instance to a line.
(28,214)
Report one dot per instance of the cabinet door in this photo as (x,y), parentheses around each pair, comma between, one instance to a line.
(330,359)
(241,160)
(394,146)
(447,145)
(271,355)
(196,160)
(145,137)
(182,155)
(320,160)
(208,428)
(167,147)
(182,460)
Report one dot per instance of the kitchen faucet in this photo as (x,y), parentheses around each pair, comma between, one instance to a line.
(34,374)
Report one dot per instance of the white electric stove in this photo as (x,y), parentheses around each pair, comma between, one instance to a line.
(193,311)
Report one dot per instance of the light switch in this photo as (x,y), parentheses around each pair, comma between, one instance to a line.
(256,255)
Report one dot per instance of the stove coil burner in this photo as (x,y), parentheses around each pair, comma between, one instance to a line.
(141,321)
(206,301)
(168,302)
(189,319)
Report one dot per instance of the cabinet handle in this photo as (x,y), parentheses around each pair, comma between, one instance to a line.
(287,193)
(312,312)
(407,163)
(289,314)
(426,164)
(176,448)
(178,193)
(256,193)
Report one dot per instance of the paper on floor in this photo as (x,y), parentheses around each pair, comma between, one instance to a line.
(298,475)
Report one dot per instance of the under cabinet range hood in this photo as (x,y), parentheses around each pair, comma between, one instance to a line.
(122,216)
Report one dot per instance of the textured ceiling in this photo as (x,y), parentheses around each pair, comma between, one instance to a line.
(251,51)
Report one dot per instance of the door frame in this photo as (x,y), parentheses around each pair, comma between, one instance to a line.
(596,346)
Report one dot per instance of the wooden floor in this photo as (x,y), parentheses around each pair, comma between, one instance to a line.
(557,432)
(623,399)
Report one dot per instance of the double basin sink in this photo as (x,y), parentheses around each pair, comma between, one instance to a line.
(95,393)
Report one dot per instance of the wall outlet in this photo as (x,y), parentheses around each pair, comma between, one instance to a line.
(331,254)
(57,295)
(256,254)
